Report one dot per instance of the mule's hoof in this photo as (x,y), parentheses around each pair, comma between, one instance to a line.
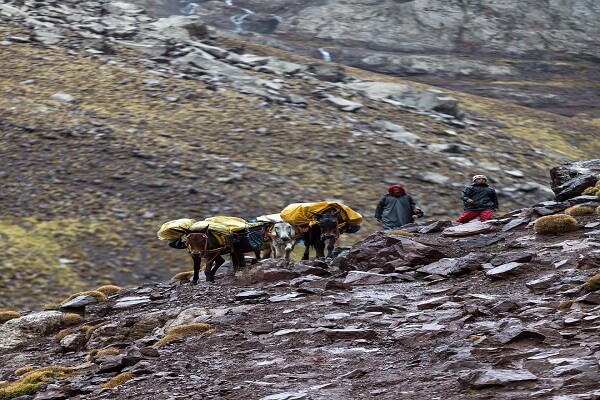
(194,282)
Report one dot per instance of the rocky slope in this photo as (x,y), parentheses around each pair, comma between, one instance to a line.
(115,122)
(483,310)
(537,54)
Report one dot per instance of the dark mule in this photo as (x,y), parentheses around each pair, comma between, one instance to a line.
(326,229)
(205,243)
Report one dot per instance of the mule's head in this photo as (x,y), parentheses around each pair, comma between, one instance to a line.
(197,242)
(282,232)
(328,222)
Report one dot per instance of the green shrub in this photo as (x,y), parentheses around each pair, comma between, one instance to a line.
(579,210)
(553,224)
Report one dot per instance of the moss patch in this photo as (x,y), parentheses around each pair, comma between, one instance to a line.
(30,382)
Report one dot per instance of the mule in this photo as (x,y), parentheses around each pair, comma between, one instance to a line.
(205,243)
(325,229)
(283,239)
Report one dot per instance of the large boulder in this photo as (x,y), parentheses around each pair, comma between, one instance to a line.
(571,179)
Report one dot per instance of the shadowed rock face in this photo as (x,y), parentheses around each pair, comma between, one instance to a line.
(572,179)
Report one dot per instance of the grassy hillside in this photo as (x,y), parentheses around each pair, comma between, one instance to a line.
(86,184)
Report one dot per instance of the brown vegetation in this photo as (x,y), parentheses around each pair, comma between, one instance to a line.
(8,315)
(579,210)
(555,224)
(182,331)
(32,380)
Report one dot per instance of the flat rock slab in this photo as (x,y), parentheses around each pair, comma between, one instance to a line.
(472,228)
(496,377)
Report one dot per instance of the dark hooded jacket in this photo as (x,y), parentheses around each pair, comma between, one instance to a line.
(395,211)
(483,196)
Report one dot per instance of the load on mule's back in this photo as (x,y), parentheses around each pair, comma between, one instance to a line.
(211,239)
(321,222)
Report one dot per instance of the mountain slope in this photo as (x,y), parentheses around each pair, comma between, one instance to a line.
(100,148)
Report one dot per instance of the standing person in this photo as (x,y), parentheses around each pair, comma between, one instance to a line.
(396,208)
(479,200)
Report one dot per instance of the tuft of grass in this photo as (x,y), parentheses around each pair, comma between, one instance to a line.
(109,351)
(183,276)
(592,284)
(182,331)
(598,210)
(8,315)
(566,304)
(60,335)
(29,383)
(555,224)
(400,232)
(94,293)
(108,289)
(72,319)
(118,380)
(23,370)
(579,210)
(86,329)
(593,190)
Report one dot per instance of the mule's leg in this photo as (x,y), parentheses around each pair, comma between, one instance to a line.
(268,250)
(306,238)
(238,261)
(197,258)
(288,250)
(330,246)
(320,248)
(257,256)
(212,268)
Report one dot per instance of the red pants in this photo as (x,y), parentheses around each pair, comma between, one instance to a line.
(468,215)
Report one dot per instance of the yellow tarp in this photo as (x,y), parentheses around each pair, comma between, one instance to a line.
(169,230)
(226,225)
(220,225)
(299,214)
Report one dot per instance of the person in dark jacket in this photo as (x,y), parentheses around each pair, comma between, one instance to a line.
(396,208)
(479,200)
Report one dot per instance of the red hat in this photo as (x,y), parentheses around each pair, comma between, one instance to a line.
(391,189)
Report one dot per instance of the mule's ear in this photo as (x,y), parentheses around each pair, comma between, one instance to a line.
(314,214)
(335,214)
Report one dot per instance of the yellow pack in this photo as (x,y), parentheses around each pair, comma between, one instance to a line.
(299,214)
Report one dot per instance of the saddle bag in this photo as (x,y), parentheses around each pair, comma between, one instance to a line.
(249,239)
